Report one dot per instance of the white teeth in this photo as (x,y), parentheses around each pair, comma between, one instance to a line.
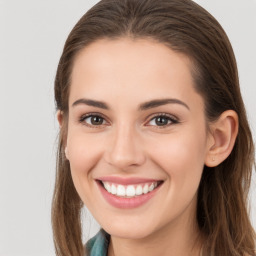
(130,190)
(107,187)
(113,189)
(120,190)
(151,187)
(138,190)
(145,189)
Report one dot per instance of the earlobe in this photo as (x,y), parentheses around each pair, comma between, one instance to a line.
(66,153)
(60,119)
(59,116)
(222,138)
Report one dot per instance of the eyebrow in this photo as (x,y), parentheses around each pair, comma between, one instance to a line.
(144,106)
(93,103)
(160,102)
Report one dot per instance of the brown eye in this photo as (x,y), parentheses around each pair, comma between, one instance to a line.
(93,120)
(96,120)
(162,120)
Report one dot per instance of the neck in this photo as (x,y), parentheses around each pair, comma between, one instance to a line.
(179,238)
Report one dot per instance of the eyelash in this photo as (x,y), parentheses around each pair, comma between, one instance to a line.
(89,115)
(171,120)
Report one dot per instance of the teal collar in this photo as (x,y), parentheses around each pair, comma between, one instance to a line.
(98,245)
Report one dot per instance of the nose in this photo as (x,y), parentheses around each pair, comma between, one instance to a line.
(125,149)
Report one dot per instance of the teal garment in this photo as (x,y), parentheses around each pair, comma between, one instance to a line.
(98,245)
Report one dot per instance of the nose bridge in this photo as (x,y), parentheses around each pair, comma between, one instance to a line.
(125,149)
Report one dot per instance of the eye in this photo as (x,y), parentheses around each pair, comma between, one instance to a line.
(162,120)
(92,120)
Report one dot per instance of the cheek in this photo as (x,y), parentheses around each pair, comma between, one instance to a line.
(182,158)
(84,154)
(84,151)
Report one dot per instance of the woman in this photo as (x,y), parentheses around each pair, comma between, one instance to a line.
(154,138)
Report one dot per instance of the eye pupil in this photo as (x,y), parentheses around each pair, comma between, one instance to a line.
(161,121)
(96,120)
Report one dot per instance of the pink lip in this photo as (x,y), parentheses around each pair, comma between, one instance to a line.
(125,181)
(127,203)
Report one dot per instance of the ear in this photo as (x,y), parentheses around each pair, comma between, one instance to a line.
(60,121)
(59,116)
(66,153)
(222,137)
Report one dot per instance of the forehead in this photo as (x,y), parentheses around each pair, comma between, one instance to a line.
(130,54)
(128,68)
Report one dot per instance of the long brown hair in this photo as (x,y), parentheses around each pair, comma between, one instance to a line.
(185,27)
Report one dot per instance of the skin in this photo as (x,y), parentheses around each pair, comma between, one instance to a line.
(129,142)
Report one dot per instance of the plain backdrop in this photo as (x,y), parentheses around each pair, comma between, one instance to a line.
(32,35)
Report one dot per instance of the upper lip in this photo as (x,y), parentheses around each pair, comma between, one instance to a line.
(126,180)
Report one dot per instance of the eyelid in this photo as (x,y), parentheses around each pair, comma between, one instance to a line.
(84,116)
(174,119)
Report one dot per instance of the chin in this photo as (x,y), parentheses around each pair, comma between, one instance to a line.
(128,231)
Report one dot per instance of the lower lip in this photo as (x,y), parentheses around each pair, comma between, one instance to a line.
(126,203)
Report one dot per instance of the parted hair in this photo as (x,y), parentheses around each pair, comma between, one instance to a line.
(185,27)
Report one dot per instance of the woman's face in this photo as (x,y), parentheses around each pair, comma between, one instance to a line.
(136,125)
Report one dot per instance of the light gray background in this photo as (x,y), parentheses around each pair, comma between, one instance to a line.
(32,35)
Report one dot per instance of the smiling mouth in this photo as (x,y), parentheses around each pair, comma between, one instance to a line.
(131,190)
